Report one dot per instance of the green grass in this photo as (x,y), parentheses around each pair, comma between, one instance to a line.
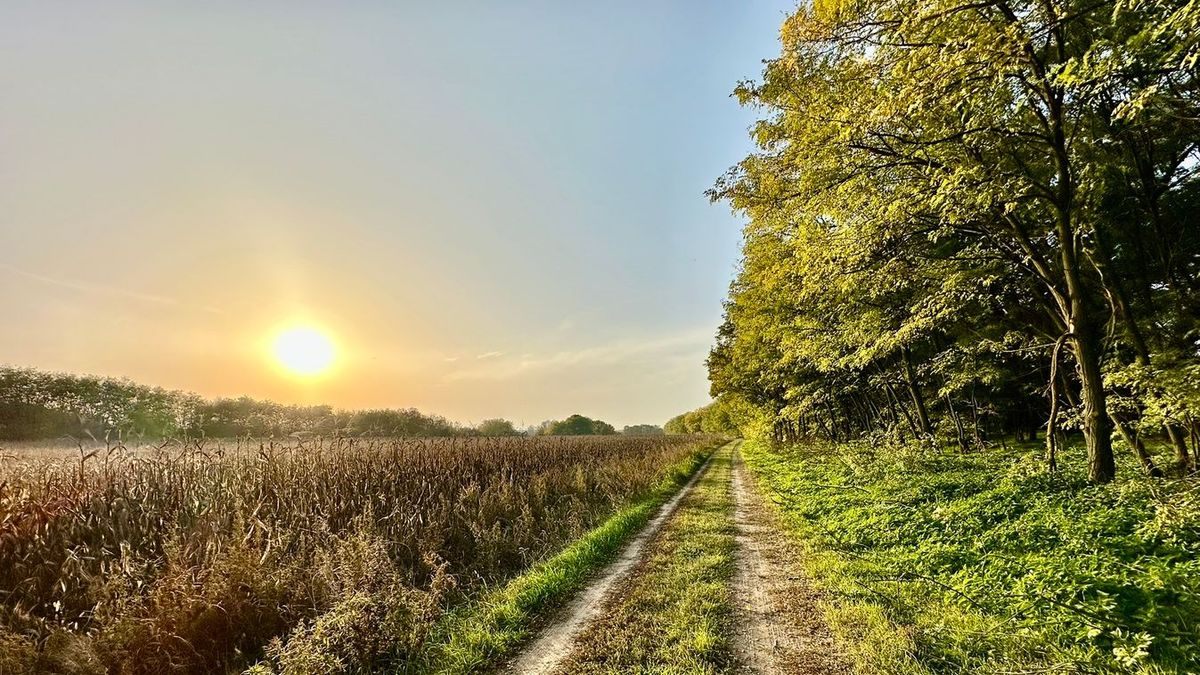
(673,617)
(939,562)
(492,627)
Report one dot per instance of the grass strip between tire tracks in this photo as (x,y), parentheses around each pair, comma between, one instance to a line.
(674,613)
(478,634)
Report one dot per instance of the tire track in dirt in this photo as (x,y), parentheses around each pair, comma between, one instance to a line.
(556,642)
(779,628)
(669,615)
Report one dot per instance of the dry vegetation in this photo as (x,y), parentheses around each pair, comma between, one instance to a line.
(314,555)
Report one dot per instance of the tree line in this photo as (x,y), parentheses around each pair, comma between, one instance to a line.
(972,219)
(575,425)
(714,418)
(41,405)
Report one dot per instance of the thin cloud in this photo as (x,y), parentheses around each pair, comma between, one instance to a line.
(686,345)
(94,288)
(489,355)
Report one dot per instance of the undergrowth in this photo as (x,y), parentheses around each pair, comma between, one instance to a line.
(940,562)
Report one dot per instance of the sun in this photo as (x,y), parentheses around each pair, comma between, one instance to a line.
(304,350)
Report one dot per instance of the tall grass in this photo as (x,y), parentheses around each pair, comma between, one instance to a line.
(195,558)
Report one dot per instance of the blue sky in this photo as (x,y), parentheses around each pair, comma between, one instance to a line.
(494,209)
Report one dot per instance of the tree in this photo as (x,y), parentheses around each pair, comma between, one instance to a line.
(718,417)
(936,179)
(34,404)
(642,430)
(497,427)
(578,425)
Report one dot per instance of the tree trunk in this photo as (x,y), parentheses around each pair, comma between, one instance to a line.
(904,411)
(1052,418)
(979,443)
(1120,303)
(1097,427)
(958,425)
(1081,322)
(1194,432)
(1139,448)
(1182,459)
(915,391)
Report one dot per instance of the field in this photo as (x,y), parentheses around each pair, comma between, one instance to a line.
(311,555)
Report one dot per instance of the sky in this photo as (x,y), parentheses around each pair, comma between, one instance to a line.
(491,209)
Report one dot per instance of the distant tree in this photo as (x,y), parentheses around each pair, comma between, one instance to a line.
(578,425)
(404,422)
(35,404)
(642,430)
(497,427)
(575,425)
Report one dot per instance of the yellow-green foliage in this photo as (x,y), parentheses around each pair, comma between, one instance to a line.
(945,198)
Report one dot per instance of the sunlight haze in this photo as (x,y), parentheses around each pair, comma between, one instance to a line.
(495,212)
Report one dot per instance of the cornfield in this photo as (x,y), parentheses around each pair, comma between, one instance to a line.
(203,557)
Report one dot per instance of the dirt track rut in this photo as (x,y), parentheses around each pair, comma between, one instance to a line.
(779,628)
(548,651)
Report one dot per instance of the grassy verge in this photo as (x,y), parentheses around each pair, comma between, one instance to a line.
(491,627)
(673,616)
(983,563)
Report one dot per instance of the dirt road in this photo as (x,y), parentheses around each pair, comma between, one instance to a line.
(556,642)
(776,624)
(779,626)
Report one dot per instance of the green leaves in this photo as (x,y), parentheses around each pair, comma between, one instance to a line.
(935,175)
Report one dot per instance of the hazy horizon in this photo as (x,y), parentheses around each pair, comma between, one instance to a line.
(491,213)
